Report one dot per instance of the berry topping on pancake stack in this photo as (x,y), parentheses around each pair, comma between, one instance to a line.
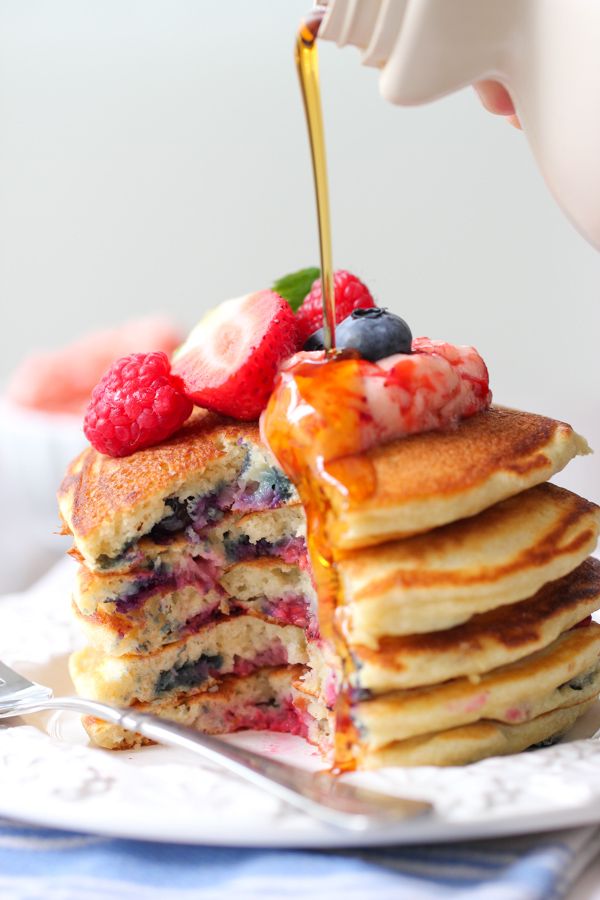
(138,403)
(381,569)
(374,333)
(350,294)
(230,359)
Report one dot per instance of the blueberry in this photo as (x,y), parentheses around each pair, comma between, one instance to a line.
(375,333)
(176,520)
(189,674)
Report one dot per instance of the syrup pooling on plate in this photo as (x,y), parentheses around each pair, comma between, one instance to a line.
(307,63)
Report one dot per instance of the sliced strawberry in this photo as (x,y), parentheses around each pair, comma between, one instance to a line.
(230,359)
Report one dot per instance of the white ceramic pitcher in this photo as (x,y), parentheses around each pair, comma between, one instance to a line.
(545,52)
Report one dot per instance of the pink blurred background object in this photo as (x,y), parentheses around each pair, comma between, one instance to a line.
(61,381)
(41,414)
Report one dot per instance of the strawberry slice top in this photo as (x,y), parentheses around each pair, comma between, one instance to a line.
(229,361)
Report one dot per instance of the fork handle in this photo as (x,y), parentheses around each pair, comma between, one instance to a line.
(319,794)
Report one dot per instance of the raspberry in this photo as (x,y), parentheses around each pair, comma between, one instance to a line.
(350,294)
(137,404)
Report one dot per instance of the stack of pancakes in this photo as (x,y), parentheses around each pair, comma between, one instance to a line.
(194,590)
(462,580)
(462,577)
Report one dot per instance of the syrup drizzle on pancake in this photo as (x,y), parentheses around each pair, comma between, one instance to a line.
(324,398)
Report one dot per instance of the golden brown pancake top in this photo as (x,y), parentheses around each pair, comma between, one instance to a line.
(437,463)
(97,487)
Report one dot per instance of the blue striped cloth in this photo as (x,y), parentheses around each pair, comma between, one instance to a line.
(38,863)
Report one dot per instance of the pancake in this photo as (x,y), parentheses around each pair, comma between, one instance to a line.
(279,532)
(262,700)
(562,674)
(197,600)
(208,467)
(164,611)
(470,743)
(426,480)
(198,662)
(319,720)
(315,693)
(111,592)
(485,642)
(439,580)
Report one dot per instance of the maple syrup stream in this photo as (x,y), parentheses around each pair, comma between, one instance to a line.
(307,63)
(323,390)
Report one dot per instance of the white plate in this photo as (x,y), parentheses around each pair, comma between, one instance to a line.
(49,774)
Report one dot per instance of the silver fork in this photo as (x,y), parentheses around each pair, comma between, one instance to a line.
(320,794)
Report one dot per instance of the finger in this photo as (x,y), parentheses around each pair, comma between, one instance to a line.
(495,98)
(514,120)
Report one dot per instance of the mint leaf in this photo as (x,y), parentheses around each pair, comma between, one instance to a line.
(295,286)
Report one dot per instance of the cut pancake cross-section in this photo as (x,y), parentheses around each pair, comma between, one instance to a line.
(465,590)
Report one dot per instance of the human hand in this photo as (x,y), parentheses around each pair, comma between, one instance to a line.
(497,100)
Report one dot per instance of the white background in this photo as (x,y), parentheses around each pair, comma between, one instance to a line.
(153,156)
